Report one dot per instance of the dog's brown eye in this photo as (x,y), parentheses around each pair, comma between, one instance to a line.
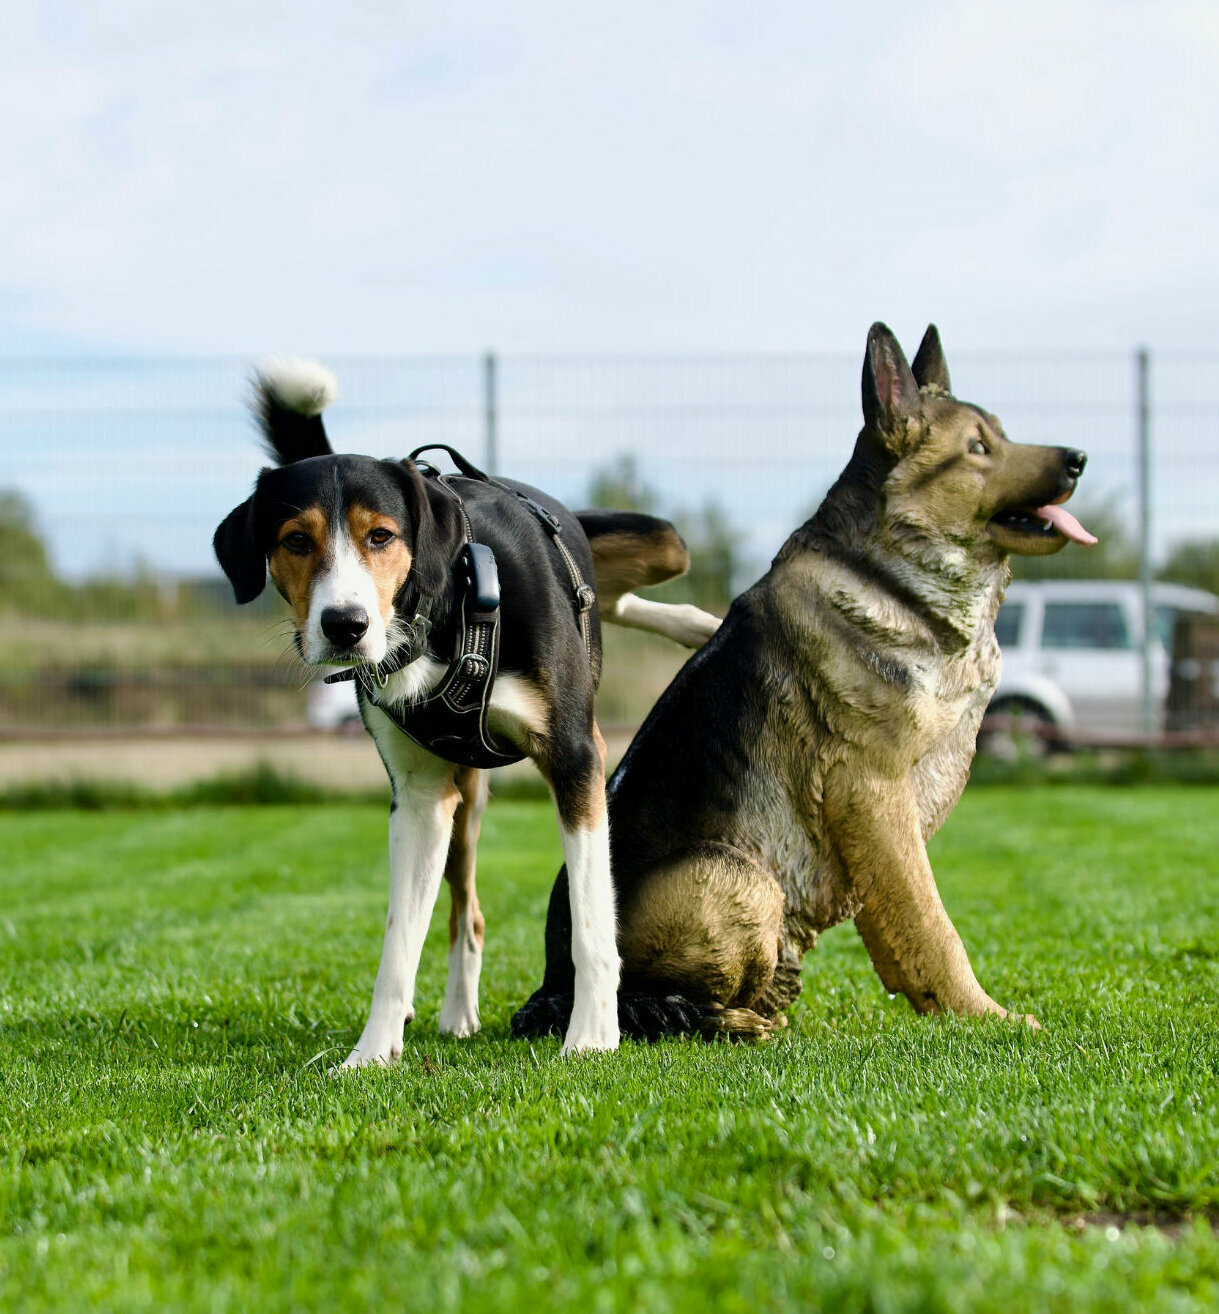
(379,537)
(297,542)
(978,447)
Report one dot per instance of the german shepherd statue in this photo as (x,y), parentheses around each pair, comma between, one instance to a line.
(791,775)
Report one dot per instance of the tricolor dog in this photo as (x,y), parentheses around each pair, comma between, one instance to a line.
(391,572)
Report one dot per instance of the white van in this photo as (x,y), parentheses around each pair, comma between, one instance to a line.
(1072,652)
(333,706)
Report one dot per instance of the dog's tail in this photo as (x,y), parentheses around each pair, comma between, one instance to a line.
(644,1017)
(289,398)
(634,551)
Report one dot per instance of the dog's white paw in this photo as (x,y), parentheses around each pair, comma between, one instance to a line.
(459,1018)
(593,1027)
(459,1015)
(379,1044)
(372,1056)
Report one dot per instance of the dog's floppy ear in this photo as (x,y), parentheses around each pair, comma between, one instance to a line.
(930,368)
(439,528)
(890,393)
(238,552)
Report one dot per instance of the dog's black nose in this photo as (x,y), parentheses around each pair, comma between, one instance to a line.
(1074,460)
(344,626)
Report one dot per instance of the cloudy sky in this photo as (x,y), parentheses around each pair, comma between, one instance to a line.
(241,179)
(406,177)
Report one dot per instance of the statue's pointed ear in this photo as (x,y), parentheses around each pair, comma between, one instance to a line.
(240,556)
(930,368)
(890,393)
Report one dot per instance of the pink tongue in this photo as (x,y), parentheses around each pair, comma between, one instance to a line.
(1066,524)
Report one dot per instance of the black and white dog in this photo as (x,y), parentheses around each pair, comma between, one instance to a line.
(363,550)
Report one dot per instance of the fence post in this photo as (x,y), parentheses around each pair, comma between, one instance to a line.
(1143,403)
(490,414)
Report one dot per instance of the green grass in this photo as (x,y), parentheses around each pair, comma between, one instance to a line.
(175,983)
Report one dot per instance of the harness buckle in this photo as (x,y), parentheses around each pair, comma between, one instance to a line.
(474,667)
(586,595)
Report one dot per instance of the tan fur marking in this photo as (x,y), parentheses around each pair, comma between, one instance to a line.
(389,565)
(293,574)
(460,867)
(709,923)
(585,804)
(625,562)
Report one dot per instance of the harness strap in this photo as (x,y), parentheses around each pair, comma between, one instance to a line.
(452,720)
(583,593)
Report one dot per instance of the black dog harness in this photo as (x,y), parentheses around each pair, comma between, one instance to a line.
(451,721)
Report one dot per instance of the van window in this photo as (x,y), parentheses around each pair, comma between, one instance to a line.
(1007,624)
(1165,624)
(1084,625)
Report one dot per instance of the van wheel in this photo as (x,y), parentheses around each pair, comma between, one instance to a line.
(1026,736)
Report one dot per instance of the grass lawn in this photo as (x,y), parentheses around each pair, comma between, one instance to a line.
(174,983)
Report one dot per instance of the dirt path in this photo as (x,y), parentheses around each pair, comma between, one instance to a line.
(338,761)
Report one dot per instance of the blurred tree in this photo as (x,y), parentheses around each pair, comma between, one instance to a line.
(30,587)
(1194,562)
(620,485)
(27,580)
(136,596)
(714,550)
(1114,557)
(714,557)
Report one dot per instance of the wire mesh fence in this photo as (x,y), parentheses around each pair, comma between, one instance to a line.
(122,468)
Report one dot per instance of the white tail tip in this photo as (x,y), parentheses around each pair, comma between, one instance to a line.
(302,386)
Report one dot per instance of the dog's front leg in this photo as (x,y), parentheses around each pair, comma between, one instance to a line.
(577,780)
(420,825)
(459,1016)
(875,826)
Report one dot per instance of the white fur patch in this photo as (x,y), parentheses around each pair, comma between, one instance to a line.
(419,831)
(298,385)
(459,1015)
(412,683)
(517,708)
(344,581)
(594,949)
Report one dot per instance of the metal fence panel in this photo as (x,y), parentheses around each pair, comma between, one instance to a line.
(129,464)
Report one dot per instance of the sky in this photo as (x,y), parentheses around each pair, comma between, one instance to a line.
(236,180)
(383,178)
